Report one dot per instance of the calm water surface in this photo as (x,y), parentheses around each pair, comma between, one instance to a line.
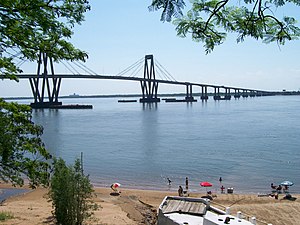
(249,142)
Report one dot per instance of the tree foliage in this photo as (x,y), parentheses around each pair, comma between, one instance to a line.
(22,152)
(209,21)
(30,26)
(71,193)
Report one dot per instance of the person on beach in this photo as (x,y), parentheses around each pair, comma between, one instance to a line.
(220,179)
(279,188)
(180,191)
(273,186)
(169,181)
(222,189)
(186,183)
(274,195)
(285,188)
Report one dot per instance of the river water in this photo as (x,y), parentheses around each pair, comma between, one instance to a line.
(249,142)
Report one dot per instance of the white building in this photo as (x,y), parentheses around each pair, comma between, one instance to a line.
(195,211)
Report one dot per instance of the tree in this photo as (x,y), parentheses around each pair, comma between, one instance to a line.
(209,21)
(28,27)
(21,149)
(71,193)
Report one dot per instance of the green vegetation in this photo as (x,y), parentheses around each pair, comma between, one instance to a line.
(71,193)
(27,28)
(21,149)
(209,21)
(6,216)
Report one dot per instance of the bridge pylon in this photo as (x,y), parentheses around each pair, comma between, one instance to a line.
(149,85)
(42,87)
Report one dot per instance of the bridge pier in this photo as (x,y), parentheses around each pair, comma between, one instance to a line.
(259,93)
(149,85)
(45,85)
(217,95)
(245,94)
(227,94)
(189,93)
(252,94)
(237,93)
(204,95)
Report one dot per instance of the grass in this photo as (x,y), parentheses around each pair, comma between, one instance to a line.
(5,216)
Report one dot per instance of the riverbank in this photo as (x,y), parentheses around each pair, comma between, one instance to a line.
(140,206)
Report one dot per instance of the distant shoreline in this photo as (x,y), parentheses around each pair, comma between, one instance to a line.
(139,95)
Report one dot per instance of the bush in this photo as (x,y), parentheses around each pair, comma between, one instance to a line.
(71,193)
(5,216)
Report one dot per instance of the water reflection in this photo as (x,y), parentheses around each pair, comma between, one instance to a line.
(50,119)
(149,105)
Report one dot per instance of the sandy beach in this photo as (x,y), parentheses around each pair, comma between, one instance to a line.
(140,207)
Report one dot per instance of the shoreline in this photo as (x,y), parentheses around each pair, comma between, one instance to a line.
(146,189)
(138,206)
(215,189)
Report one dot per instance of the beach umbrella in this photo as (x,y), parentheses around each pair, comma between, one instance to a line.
(115,186)
(205,184)
(287,183)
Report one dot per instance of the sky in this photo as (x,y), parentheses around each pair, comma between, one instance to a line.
(116,34)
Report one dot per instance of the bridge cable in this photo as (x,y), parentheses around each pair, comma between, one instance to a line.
(73,67)
(67,67)
(85,68)
(166,72)
(21,62)
(138,69)
(161,73)
(16,57)
(130,67)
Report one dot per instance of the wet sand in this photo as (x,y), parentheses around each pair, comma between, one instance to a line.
(140,207)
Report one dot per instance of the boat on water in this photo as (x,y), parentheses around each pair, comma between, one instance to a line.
(127,100)
(196,211)
(76,106)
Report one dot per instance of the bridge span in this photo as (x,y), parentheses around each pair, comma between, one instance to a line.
(45,85)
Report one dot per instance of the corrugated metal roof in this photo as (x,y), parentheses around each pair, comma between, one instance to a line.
(183,206)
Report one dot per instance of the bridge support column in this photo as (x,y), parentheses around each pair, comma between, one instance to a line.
(252,94)
(217,94)
(245,94)
(259,93)
(204,95)
(237,93)
(227,94)
(189,93)
(149,85)
(45,89)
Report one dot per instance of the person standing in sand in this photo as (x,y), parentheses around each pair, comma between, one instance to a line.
(222,189)
(180,191)
(169,181)
(186,183)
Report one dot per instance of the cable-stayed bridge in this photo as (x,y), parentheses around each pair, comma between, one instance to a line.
(46,84)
